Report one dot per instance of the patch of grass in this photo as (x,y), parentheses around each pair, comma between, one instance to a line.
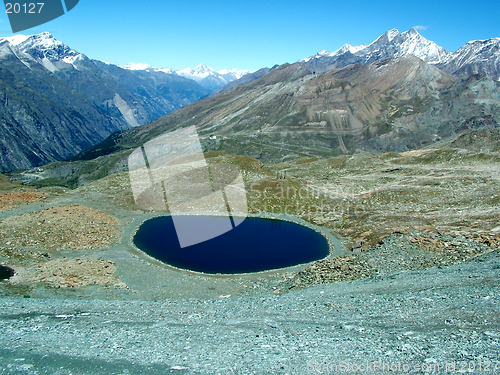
(213,154)
(6,184)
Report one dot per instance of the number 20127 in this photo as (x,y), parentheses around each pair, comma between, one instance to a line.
(24,8)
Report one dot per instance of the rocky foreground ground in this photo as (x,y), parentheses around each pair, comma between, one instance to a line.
(442,320)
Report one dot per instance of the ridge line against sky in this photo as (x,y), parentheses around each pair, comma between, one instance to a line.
(254,34)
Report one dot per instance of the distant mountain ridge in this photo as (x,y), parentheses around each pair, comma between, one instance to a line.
(205,76)
(476,57)
(480,57)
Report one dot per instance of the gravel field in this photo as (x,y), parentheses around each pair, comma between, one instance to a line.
(406,321)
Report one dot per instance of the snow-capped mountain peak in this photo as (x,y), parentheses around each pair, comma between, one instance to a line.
(476,57)
(45,50)
(390,44)
(203,69)
(491,40)
(205,76)
(46,46)
(209,78)
(391,34)
(53,54)
(236,73)
(382,41)
(348,48)
(415,44)
(198,73)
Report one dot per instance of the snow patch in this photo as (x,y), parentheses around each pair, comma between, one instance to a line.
(164,70)
(135,66)
(15,40)
(72,59)
(391,34)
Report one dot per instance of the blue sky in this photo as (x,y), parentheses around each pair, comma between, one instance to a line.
(255,34)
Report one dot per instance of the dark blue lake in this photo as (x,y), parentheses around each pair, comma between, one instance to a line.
(255,245)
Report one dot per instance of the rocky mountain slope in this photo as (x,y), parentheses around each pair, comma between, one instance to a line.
(396,104)
(476,57)
(57,102)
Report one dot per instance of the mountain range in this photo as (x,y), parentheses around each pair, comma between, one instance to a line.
(396,104)
(476,57)
(205,76)
(399,93)
(57,102)
(480,57)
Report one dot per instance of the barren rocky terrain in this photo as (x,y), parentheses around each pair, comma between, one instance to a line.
(433,321)
(413,227)
(393,211)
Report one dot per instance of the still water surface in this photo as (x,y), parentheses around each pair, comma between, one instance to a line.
(255,245)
